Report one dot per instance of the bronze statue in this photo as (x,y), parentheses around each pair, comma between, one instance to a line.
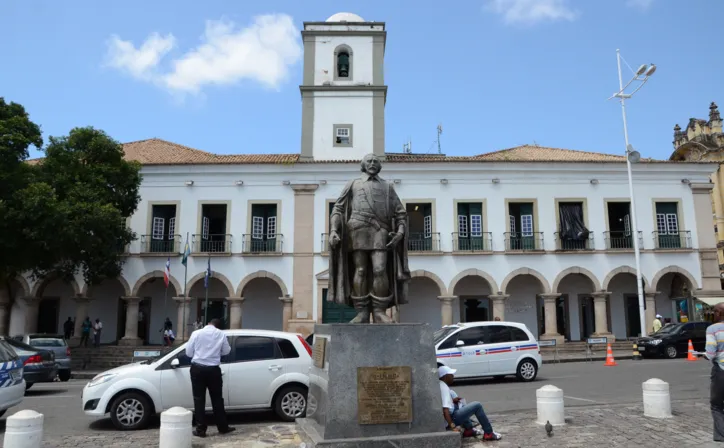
(368,267)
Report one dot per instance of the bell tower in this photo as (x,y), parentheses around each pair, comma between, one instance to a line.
(343,88)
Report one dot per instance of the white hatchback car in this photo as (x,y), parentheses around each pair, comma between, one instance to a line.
(265,369)
(480,349)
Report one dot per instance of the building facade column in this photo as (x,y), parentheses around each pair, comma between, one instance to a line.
(4,311)
(550,302)
(498,305)
(82,304)
(31,315)
(235,312)
(600,300)
(706,239)
(131,334)
(182,318)
(303,260)
(287,303)
(650,297)
(446,310)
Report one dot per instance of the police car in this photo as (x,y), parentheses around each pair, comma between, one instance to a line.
(480,349)
(12,385)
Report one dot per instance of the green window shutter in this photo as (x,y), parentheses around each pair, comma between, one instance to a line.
(476,208)
(526,208)
(463,208)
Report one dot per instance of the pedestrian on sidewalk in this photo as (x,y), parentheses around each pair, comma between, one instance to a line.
(97,327)
(68,328)
(205,349)
(85,328)
(457,413)
(715,353)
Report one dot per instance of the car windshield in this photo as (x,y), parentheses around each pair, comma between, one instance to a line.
(155,358)
(442,334)
(669,329)
(47,342)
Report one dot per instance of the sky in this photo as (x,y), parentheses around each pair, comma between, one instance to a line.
(224,76)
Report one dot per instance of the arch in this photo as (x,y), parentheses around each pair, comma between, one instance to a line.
(121,280)
(343,48)
(214,274)
(576,270)
(526,271)
(155,274)
(24,285)
(674,270)
(261,274)
(621,270)
(40,285)
(474,273)
(431,276)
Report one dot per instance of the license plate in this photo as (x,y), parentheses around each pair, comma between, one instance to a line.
(641,348)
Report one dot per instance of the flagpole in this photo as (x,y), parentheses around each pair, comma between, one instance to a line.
(206,302)
(185,299)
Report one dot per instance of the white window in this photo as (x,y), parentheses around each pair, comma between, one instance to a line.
(271,227)
(462,226)
(205,228)
(427,226)
(627,225)
(476,225)
(343,136)
(672,224)
(171,227)
(511,219)
(257,227)
(158,228)
(526,225)
(661,223)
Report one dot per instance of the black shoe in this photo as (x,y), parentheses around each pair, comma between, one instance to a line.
(227,430)
(198,433)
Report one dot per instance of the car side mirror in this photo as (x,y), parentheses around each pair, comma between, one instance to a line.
(175,363)
(459,343)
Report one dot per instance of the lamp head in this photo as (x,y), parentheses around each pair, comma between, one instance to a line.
(651,70)
(641,70)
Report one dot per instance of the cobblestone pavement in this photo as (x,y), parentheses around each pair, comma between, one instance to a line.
(598,426)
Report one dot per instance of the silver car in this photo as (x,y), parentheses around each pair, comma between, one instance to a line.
(55,343)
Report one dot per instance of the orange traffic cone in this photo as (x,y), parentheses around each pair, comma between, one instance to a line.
(610,362)
(691,356)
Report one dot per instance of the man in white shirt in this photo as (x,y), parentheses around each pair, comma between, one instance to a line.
(455,416)
(205,349)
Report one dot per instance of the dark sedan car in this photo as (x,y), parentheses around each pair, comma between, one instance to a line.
(38,364)
(672,340)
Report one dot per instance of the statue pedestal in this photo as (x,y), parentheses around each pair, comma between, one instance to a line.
(372,384)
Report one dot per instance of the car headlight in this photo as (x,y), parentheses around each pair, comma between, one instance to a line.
(100,379)
(655,341)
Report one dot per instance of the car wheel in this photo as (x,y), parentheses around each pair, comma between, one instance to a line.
(291,403)
(64,375)
(671,352)
(28,385)
(130,411)
(527,370)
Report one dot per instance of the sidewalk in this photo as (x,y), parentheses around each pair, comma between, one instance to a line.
(587,427)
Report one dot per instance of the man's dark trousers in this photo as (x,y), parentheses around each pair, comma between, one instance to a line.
(202,378)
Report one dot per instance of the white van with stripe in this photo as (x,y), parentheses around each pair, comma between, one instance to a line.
(481,349)
(12,385)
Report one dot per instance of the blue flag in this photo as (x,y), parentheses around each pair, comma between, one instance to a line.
(187,252)
(208,274)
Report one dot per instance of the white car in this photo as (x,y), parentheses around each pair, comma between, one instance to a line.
(265,369)
(12,384)
(480,349)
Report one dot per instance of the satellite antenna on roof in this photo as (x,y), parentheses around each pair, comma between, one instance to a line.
(439,131)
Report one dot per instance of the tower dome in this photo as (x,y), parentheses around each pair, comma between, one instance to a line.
(345,17)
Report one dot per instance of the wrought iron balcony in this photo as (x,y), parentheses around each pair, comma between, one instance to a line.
(419,242)
(517,242)
(468,243)
(168,244)
(675,240)
(568,244)
(619,240)
(262,244)
(212,244)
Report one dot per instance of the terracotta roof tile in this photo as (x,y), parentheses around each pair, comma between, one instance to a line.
(530,153)
(161,152)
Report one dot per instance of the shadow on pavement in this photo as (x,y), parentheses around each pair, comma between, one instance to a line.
(44,392)
(234,418)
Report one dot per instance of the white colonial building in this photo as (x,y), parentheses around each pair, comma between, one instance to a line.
(529,234)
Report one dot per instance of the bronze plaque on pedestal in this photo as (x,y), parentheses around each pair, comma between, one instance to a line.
(384,395)
(320,345)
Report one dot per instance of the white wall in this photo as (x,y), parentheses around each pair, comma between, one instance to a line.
(332,108)
(620,286)
(262,309)
(424,305)
(325,64)
(573,285)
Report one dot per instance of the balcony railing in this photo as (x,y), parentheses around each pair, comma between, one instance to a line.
(419,242)
(214,243)
(567,244)
(467,243)
(264,244)
(169,244)
(619,240)
(517,242)
(325,243)
(675,240)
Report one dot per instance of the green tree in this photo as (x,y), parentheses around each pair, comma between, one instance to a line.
(66,213)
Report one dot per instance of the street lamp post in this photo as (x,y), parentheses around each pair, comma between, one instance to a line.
(632,156)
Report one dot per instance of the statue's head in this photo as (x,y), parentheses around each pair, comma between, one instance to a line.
(371,164)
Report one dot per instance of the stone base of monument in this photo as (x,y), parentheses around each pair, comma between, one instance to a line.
(375,386)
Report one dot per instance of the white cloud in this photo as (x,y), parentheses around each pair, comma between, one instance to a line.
(262,52)
(528,12)
(639,4)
